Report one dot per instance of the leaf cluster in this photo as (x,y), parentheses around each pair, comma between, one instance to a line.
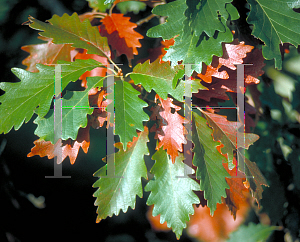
(177,93)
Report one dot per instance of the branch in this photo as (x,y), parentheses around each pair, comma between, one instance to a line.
(145,20)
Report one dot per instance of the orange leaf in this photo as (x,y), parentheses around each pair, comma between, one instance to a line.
(165,45)
(155,221)
(212,72)
(236,195)
(47,53)
(99,71)
(69,147)
(120,34)
(217,228)
(171,130)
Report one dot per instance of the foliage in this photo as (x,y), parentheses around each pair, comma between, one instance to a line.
(202,44)
(251,233)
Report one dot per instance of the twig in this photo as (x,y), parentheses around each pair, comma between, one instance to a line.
(145,20)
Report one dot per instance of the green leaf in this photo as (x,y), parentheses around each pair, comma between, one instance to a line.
(203,16)
(75,107)
(232,11)
(208,160)
(177,76)
(109,1)
(252,233)
(131,6)
(69,30)
(101,5)
(172,196)
(275,22)
(196,86)
(189,48)
(35,90)
(129,113)
(174,23)
(157,76)
(116,193)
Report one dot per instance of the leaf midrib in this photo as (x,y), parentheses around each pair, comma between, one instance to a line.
(269,20)
(41,90)
(113,197)
(80,38)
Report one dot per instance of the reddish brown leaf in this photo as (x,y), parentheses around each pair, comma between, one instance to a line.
(47,53)
(237,194)
(120,34)
(234,53)
(255,179)
(224,129)
(171,130)
(99,115)
(227,133)
(215,90)
(253,71)
(224,68)
(69,147)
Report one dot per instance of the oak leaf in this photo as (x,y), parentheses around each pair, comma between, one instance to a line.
(215,90)
(36,90)
(119,192)
(210,72)
(120,34)
(69,147)
(221,77)
(228,134)
(70,30)
(234,53)
(254,177)
(208,160)
(173,198)
(171,130)
(129,111)
(232,139)
(160,78)
(236,194)
(48,53)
